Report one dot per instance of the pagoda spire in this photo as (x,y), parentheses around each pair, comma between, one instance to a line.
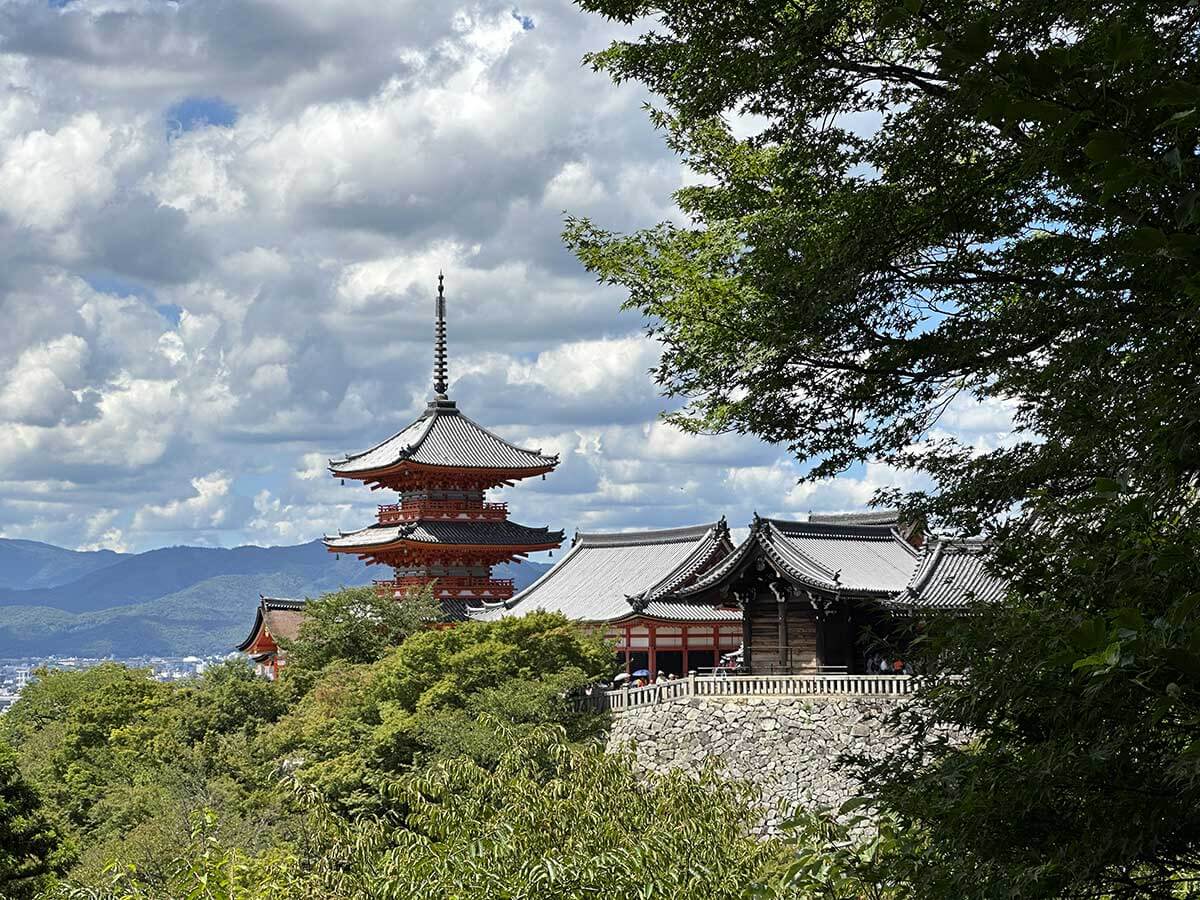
(439,349)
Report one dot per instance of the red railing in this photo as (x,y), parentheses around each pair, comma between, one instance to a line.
(451,585)
(392,513)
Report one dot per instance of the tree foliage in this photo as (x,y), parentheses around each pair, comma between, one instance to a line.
(440,692)
(944,204)
(165,790)
(550,820)
(31,848)
(992,198)
(355,625)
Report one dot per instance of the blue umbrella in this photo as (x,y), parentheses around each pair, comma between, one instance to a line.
(642,673)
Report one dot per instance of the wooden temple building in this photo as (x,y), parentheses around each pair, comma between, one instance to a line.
(793,596)
(622,582)
(442,529)
(275,618)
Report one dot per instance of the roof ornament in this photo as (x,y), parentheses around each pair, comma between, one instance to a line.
(439,349)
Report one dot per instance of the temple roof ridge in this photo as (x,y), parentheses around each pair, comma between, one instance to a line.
(646,536)
(596,577)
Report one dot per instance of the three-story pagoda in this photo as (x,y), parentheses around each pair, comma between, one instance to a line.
(443,529)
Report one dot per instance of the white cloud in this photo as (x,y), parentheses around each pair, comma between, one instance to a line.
(45,177)
(207,508)
(196,321)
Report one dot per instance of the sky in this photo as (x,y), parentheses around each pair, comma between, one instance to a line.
(221,225)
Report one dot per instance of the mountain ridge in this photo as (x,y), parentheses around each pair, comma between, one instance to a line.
(172,601)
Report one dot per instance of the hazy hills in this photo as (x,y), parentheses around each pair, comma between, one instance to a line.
(172,602)
(27,565)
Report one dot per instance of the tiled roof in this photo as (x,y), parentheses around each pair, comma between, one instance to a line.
(870,560)
(596,578)
(871,517)
(499,532)
(952,575)
(864,558)
(688,612)
(282,617)
(444,437)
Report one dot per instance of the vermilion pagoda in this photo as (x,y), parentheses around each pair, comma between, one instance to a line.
(443,530)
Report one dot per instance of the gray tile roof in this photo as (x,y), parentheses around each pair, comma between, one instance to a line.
(870,560)
(869,517)
(596,578)
(434,531)
(865,558)
(443,436)
(688,612)
(952,575)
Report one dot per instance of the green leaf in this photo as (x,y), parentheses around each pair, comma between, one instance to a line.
(1148,239)
(1177,93)
(1105,659)
(1089,633)
(852,804)
(1105,145)
(1038,111)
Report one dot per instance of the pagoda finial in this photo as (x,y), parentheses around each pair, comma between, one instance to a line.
(439,349)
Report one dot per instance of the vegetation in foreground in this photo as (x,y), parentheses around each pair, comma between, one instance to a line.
(390,760)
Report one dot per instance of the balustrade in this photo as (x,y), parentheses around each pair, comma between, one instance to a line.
(750,686)
(477,586)
(391,513)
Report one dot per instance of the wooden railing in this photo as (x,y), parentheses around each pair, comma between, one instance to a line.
(391,513)
(492,588)
(749,686)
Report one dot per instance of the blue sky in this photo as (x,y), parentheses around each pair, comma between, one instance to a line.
(220,231)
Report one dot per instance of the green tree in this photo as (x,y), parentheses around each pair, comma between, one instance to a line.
(124,762)
(438,694)
(944,202)
(31,849)
(551,820)
(355,625)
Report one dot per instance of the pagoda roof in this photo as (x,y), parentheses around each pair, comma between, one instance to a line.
(500,533)
(280,617)
(607,576)
(952,575)
(867,560)
(443,436)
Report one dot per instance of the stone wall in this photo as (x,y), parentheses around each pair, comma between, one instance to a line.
(784,746)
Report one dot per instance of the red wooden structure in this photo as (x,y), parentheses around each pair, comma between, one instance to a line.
(442,529)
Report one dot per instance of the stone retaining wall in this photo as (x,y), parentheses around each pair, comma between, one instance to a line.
(785,746)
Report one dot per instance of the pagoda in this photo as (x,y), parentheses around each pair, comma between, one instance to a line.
(442,529)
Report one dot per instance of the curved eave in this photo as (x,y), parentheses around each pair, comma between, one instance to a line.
(257,632)
(701,615)
(715,541)
(375,549)
(407,467)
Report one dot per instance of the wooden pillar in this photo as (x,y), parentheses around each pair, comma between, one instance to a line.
(852,666)
(745,605)
(782,634)
(628,648)
(819,606)
(652,650)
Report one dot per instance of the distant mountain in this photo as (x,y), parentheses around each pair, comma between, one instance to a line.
(175,601)
(156,573)
(26,565)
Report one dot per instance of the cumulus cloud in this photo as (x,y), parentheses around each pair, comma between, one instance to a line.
(207,508)
(220,230)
